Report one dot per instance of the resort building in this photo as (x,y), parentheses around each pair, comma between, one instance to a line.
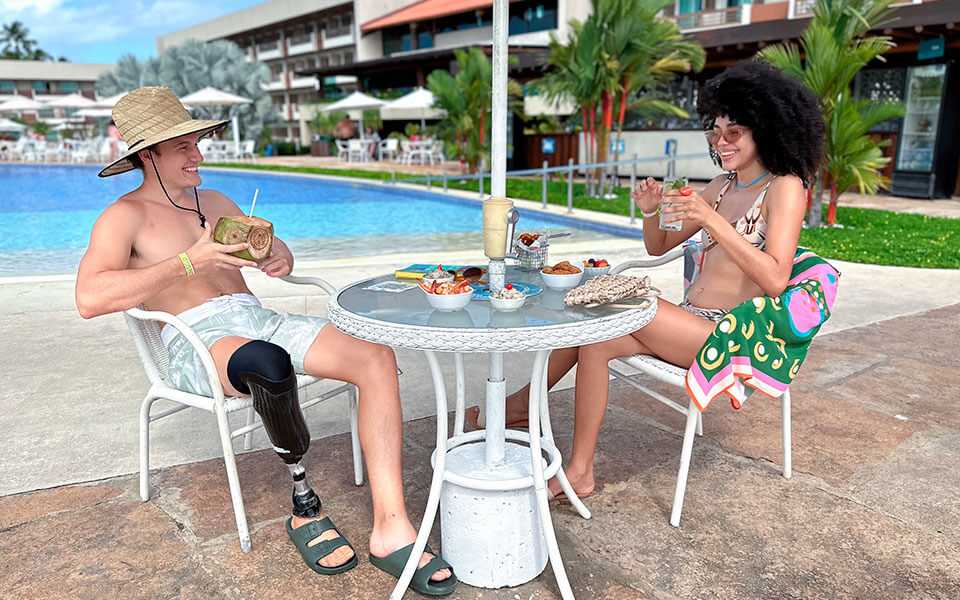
(44,81)
(289,36)
(318,50)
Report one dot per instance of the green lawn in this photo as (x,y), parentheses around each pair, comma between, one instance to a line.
(868,236)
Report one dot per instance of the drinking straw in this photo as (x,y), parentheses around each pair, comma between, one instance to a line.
(256,193)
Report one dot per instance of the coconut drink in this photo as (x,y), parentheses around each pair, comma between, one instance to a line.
(256,232)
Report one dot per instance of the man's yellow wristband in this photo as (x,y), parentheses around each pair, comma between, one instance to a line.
(187,265)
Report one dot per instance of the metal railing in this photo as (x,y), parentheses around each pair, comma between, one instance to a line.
(610,169)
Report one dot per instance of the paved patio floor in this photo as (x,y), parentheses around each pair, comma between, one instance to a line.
(873,509)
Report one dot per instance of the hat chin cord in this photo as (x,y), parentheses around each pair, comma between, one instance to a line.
(203,219)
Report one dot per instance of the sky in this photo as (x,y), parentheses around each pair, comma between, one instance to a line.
(101,31)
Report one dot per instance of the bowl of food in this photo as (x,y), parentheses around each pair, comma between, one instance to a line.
(439,275)
(507,299)
(446,295)
(561,276)
(593,267)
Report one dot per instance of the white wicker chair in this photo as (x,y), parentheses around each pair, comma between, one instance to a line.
(145,327)
(673,375)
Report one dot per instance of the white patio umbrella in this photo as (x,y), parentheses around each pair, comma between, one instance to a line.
(110,101)
(21,104)
(71,101)
(95,113)
(357,101)
(210,96)
(6,126)
(418,104)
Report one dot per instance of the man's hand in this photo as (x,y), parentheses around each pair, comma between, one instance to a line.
(207,254)
(280,261)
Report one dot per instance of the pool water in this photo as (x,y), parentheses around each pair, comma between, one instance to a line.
(48,212)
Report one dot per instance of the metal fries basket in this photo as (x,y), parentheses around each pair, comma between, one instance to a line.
(533,259)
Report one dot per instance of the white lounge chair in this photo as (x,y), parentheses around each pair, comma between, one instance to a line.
(145,327)
(674,375)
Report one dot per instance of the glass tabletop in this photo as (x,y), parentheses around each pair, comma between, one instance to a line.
(410,307)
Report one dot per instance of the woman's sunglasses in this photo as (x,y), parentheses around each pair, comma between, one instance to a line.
(732,135)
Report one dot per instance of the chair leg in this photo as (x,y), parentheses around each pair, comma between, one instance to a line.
(233,479)
(699,423)
(787,435)
(688,435)
(145,446)
(248,436)
(355,437)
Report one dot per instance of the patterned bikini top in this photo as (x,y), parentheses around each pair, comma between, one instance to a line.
(752,226)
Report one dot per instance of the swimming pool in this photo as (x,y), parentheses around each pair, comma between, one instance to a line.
(48,212)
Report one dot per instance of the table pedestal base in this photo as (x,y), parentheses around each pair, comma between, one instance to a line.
(494,537)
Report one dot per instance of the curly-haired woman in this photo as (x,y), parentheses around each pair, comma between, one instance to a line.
(765,131)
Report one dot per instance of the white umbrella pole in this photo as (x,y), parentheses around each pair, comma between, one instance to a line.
(498,134)
(236,134)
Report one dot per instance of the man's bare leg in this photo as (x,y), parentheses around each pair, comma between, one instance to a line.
(373,369)
(561,361)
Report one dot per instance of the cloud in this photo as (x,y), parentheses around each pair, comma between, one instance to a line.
(40,7)
(66,26)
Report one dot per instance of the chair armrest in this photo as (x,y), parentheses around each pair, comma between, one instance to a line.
(653,262)
(192,338)
(323,284)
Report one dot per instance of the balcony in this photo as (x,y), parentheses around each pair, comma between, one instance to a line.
(711,19)
(800,9)
(268,51)
(275,86)
(337,39)
(301,44)
(303,82)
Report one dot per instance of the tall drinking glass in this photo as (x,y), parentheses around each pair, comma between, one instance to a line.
(671,189)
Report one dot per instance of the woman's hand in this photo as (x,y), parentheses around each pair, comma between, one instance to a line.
(647,194)
(690,208)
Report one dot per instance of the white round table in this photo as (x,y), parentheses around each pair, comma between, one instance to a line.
(544,323)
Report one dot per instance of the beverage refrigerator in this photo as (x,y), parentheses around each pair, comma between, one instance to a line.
(925,164)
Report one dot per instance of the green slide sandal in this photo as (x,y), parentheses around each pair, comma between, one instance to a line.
(303,535)
(421,582)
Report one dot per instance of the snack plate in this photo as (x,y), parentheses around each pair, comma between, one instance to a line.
(482,292)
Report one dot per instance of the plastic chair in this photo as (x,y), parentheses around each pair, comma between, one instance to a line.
(145,326)
(676,376)
(388,149)
(343,151)
(437,154)
(356,150)
(247,148)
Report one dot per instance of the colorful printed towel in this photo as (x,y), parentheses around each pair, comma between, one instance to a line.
(763,342)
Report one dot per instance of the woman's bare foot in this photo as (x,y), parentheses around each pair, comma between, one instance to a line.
(338,557)
(517,415)
(581,481)
(393,535)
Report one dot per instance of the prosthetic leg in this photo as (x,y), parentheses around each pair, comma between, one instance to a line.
(263,370)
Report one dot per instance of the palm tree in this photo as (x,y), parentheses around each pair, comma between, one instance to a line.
(195,65)
(832,51)
(573,74)
(616,60)
(467,98)
(853,158)
(17,44)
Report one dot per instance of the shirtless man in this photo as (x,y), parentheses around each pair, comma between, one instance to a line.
(154,247)
(749,220)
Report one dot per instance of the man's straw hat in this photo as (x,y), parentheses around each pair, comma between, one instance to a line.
(150,115)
